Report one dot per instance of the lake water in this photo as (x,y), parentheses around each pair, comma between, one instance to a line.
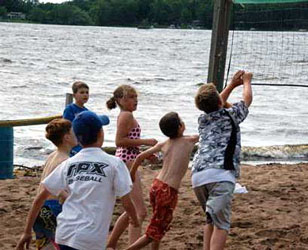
(39,63)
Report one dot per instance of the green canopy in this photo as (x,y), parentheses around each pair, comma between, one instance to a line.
(268,1)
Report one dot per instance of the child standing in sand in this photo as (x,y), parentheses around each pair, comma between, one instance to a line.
(216,163)
(128,141)
(164,191)
(81,96)
(59,132)
(93,180)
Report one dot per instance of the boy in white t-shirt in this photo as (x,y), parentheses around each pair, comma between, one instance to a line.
(93,180)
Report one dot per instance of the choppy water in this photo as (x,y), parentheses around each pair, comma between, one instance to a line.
(38,64)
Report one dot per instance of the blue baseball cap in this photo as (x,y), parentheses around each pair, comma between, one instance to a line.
(87,124)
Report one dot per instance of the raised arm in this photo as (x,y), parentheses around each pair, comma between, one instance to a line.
(125,124)
(247,91)
(194,138)
(142,156)
(33,213)
(235,81)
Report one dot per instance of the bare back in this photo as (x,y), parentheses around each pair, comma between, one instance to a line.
(53,160)
(176,159)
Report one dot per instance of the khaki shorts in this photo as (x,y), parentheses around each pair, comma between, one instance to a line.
(215,199)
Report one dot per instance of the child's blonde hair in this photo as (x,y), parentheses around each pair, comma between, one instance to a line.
(120,92)
(207,98)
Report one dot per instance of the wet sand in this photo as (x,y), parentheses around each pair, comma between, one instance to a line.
(272,215)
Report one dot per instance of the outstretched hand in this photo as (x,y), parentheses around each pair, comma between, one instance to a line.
(247,77)
(151,142)
(25,239)
(237,79)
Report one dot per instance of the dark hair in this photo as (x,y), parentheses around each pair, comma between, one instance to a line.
(78,85)
(207,98)
(56,129)
(169,124)
(87,126)
(88,139)
(119,93)
(111,103)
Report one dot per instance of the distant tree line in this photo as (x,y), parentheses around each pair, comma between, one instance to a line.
(114,12)
(159,13)
(271,17)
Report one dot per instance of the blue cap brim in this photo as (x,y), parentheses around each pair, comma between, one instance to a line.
(104,119)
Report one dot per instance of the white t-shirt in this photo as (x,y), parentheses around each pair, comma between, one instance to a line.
(211,175)
(93,179)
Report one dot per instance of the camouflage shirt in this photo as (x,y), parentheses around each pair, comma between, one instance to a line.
(215,131)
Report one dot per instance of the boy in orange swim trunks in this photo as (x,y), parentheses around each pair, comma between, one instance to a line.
(164,191)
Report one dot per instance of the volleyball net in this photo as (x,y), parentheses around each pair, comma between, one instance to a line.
(270,39)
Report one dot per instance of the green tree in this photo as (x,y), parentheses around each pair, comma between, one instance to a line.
(38,15)
(160,12)
(85,5)
(46,6)
(116,12)
(144,10)
(13,5)
(204,12)
(186,16)
(3,11)
(101,13)
(176,8)
(70,15)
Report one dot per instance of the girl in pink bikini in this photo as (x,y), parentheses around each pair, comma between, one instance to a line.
(128,141)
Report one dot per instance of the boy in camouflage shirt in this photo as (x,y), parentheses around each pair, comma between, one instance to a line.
(216,163)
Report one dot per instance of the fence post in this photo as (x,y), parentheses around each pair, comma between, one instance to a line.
(219,43)
(7,139)
(68,99)
(6,152)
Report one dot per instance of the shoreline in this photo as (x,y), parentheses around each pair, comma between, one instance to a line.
(260,155)
(272,215)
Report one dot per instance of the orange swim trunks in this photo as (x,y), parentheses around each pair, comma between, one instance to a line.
(163,199)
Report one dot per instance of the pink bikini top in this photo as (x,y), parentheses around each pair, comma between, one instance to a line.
(129,153)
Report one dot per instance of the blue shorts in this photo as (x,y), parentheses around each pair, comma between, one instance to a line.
(46,223)
(63,247)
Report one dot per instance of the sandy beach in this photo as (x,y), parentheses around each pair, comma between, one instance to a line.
(272,215)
